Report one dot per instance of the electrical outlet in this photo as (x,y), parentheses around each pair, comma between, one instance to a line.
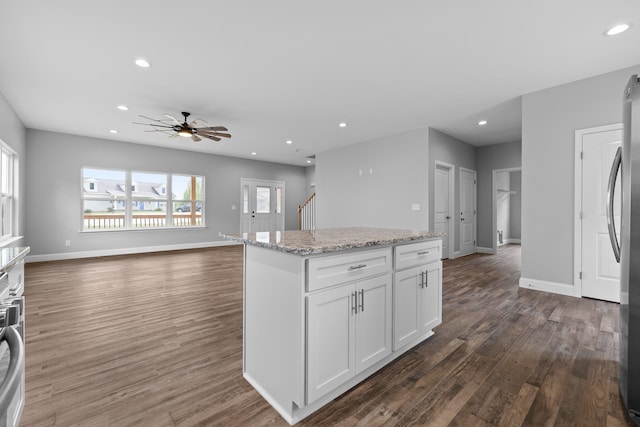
(67,242)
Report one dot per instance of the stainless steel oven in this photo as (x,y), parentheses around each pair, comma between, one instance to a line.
(12,353)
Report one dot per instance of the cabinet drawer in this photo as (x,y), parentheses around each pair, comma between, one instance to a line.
(333,270)
(417,253)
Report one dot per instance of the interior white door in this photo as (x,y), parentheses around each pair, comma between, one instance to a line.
(467,211)
(442,216)
(262,206)
(600,271)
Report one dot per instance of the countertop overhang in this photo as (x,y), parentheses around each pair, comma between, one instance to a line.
(309,242)
(11,256)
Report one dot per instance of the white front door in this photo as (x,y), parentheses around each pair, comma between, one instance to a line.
(442,209)
(467,211)
(600,271)
(262,205)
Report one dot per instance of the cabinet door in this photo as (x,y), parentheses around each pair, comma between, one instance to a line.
(431,300)
(330,340)
(407,306)
(373,321)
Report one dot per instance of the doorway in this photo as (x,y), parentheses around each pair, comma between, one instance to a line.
(262,205)
(596,272)
(507,193)
(468,193)
(443,204)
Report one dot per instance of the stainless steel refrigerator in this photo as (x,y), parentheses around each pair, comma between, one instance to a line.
(627,250)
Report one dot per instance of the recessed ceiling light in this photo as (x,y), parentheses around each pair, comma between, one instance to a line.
(113,131)
(254,153)
(308,161)
(122,108)
(142,63)
(482,122)
(617,29)
(289,142)
(342,124)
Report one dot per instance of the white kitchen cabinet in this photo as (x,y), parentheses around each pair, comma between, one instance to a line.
(349,330)
(417,294)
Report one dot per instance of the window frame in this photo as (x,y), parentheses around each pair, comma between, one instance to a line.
(8,208)
(131,196)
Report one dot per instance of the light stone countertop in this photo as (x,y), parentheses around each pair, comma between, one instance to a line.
(309,242)
(11,256)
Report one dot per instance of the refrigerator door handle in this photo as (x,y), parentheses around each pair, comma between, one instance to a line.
(617,162)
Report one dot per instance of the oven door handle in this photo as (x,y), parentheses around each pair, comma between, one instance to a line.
(13,378)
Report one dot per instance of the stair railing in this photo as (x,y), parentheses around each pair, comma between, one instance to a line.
(307,214)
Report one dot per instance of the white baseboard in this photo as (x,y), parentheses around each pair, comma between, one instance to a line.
(553,287)
(125,251)
(482,250)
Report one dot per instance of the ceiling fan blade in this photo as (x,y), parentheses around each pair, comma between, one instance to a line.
(197,122)
(153,124)
(173,135)
(195,138)
(215,128)
(215,138)
(153,120)
(170,117)
(217,134)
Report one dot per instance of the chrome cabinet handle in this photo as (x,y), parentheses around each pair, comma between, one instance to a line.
(423,253)
(361,299)
(426,279)
(354,302)
(356,267)
(617,163)
(421,279)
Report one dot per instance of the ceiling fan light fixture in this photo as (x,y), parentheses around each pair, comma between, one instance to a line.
(185,133)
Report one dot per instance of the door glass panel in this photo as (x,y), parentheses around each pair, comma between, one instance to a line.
(278,200)
(245,199)
(263,199)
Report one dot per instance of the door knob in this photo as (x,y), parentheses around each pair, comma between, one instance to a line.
(448,217)
(461,219)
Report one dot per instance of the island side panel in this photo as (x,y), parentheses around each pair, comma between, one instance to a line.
(274,326)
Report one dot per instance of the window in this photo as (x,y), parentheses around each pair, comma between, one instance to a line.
(189,199)
(8,167)
(132,200)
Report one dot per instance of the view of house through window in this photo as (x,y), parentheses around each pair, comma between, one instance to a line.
(119,199)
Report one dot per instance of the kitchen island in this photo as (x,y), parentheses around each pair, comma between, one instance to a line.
(325,309)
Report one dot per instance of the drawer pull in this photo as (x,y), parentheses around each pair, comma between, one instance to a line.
(357,267)
(423,253)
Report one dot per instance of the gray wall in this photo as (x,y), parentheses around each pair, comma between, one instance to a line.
(448,149)
(515,205)
(53,206)
(310,172)
(13,133)
(549,121)
(394,176)
(490,157)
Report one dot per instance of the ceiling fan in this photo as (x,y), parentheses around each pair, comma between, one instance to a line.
(172,127)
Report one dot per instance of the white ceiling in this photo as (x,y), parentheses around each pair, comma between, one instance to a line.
(291,69)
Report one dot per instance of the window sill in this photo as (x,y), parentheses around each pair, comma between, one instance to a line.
(9,241)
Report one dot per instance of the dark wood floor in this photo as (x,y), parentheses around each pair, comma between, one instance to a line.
(156,340)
